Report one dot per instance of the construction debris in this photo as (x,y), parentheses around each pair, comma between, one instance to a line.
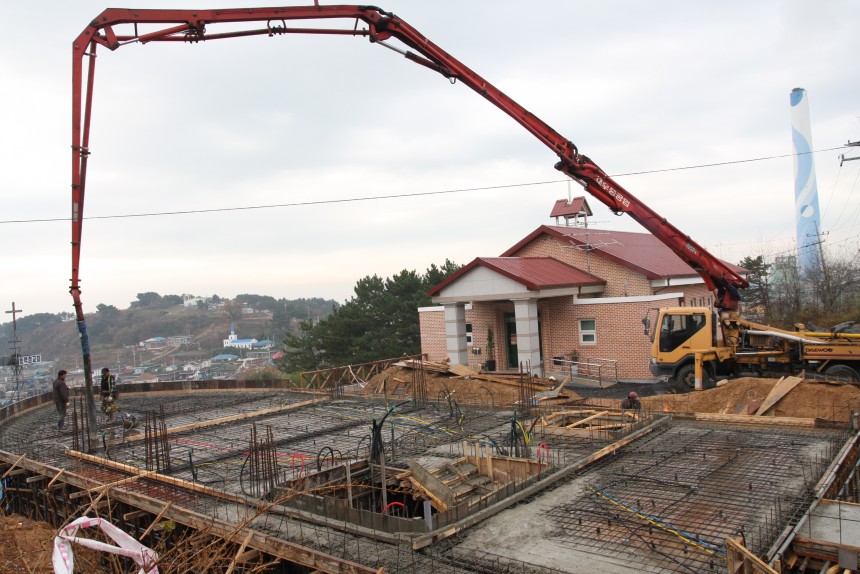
(467,386)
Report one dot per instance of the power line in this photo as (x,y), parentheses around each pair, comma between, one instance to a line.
(403,195)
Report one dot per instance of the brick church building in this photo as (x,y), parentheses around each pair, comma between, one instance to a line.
(565,291)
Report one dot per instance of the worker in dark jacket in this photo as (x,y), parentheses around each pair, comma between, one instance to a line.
(60,394)
(631,402)
(108,393)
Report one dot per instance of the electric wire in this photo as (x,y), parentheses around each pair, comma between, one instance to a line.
(401,195)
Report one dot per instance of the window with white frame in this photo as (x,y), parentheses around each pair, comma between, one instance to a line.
(587,332)
(468,333)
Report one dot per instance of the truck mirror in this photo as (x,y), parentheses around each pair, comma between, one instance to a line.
(647,323)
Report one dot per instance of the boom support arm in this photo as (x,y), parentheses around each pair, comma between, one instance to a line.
(191,26)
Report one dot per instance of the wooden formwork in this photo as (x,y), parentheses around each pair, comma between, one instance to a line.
(585,422)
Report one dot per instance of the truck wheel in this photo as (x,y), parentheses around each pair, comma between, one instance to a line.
(843,372)
(685,378)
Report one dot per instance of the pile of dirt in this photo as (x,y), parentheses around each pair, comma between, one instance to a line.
(809,399)
(27,545)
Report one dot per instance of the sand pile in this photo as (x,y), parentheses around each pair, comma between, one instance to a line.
(809,399)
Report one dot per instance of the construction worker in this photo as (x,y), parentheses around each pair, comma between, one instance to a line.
(60,393)
(108,393)
(631,402)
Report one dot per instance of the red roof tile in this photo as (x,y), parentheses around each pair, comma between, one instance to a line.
(535,273)
(641,252)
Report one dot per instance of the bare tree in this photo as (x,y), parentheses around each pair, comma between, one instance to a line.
(233,308)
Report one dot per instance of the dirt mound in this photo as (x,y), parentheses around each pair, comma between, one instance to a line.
(26,546)
(809,399)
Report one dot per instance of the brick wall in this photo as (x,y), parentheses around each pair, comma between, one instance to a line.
(432,325)
(620,281)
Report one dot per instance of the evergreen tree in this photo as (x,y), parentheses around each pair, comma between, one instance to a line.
(756,298)
(380,321)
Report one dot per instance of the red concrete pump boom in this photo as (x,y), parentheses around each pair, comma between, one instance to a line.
(191,26)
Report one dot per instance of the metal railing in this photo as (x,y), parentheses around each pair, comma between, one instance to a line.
(592,369)
(331,379)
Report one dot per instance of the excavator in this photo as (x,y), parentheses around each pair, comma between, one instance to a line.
(717,339)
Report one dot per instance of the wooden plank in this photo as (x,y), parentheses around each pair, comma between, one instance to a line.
(551,417)
(231,418)
(144,474)
(744,419)
(15,472)
(779,390)
(463,370)
(464,478)
(14,464)
(827,550)
(418,488)
(94,503)
(431,484)
(587,419)
(134,515)
(53,480)
(239,552)
(248,556)
(156,519)
(742,560)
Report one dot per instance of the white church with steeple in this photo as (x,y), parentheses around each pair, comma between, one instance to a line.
(233,341)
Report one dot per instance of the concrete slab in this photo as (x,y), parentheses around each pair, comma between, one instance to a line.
(834,522)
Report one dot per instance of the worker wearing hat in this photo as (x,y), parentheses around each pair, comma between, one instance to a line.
(631,402)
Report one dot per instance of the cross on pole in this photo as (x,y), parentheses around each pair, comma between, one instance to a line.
(14,312)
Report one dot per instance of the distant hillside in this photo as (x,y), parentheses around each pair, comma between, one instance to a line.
(115,334)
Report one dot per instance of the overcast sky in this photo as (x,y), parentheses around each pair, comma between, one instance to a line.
(316,124)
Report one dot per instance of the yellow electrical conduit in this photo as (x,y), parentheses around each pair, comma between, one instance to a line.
(662,525)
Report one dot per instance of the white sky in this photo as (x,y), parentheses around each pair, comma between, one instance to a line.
(259,121)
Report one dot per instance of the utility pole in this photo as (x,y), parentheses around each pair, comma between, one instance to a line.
(843,159)
(16,352)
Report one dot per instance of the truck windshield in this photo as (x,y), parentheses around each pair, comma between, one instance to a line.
(677,329)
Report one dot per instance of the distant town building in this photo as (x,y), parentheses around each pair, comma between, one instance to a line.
(234,341)
(154,343)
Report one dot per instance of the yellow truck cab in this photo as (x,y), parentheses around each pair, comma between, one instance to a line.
(677,335)
(684,339)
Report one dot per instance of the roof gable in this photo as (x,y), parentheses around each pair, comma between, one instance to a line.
(641,252)
(534,273)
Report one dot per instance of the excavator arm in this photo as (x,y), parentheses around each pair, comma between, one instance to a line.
(115,28)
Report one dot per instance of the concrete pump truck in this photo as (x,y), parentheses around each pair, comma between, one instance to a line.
(687,341)
(694,346)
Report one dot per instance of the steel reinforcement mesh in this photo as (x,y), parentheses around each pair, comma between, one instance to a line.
(672,499)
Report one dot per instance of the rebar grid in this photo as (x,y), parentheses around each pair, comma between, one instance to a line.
(666,503)
(673,499)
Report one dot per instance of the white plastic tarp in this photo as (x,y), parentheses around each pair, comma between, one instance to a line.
(64,558)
